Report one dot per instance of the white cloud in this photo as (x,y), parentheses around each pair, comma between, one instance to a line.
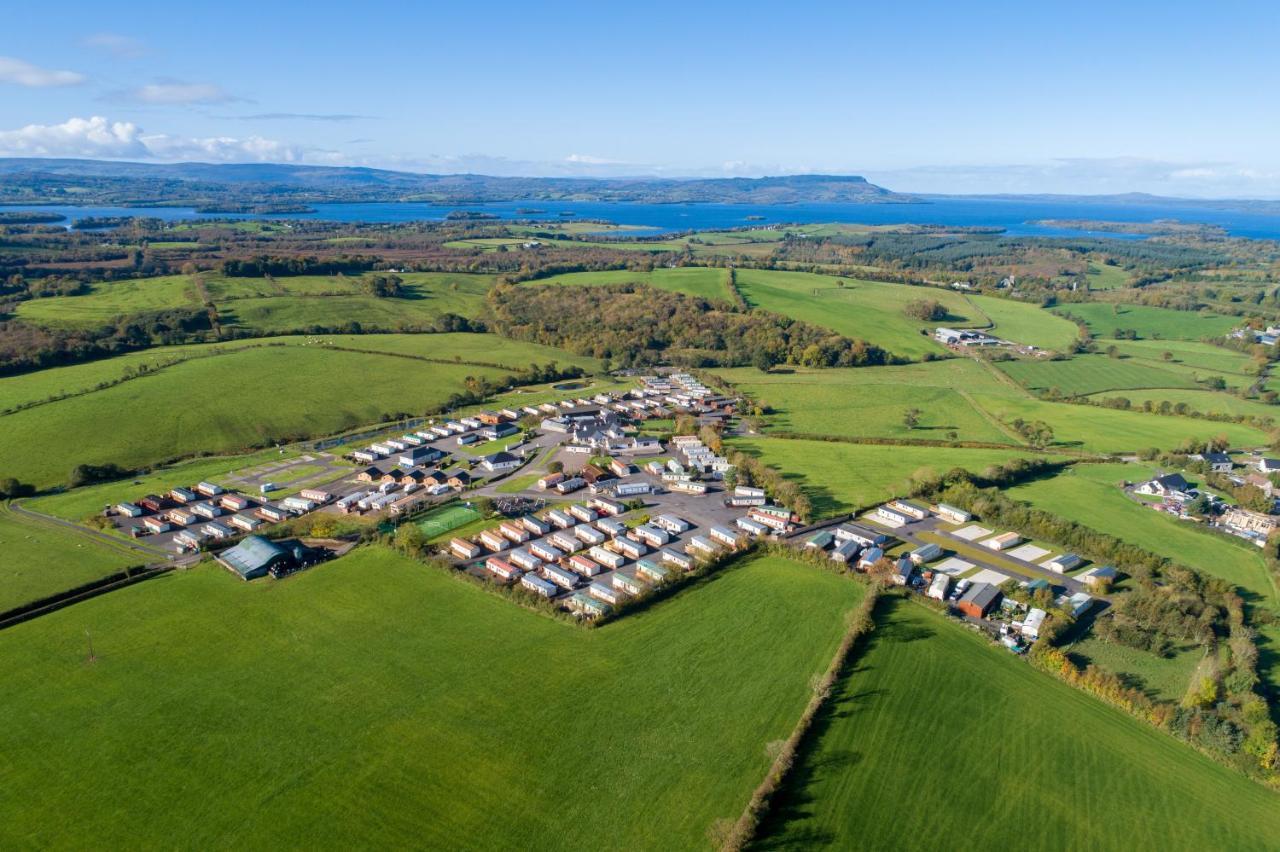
(123,46)
(25,74)
(99,138)
(176,93)
(590,160)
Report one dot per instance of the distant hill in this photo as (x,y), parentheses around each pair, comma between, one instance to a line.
(34,180)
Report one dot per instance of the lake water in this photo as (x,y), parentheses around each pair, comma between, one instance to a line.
(1011,215)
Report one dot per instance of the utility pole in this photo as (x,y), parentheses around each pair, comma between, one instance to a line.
(93,658)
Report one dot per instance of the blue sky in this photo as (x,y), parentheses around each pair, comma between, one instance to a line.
(1176,98)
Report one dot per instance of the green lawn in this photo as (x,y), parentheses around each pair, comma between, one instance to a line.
(1104,318)
(1086,374)
(376,702)
(871,401)
(39,559)
(1029,324)
(706,282)
(939,739)
(841,477)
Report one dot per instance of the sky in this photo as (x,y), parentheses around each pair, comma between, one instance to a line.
(1174,98)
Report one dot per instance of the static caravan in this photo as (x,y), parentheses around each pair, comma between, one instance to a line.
(820,541)
(585,566)
(315,495)
(535,525)
(589,535)
(870,557)
(189,539)
(606,506)
(951,514)
(703,545)
(1064,563)
(213,529)
(182,517)
(300,505)
(234,502)
(585,605)
(689,487)
(207,510)
(751,526)
(652,536)
(939,587)
(748,491)
(183,495)
(562,577)
(630,585)
(652,570)
(494,540)
(464,549)
(550,481)
(1032,623)
(561,519)
(845,551)
(926,553)
(546,551)
(673,524)
(629,548)
(608,594)
(726,536)
(129,510)
(864,536)
(632,489)
(568,486)
(608,558)
(248,523)
(501,568)
(566,541)
(514,531)
(584,514)
(611,527)
(274,514)
(892,517)
(538,586)
(1003,541)
(524,559)
(209,489)
(910,508)
(682,561)
(156,524)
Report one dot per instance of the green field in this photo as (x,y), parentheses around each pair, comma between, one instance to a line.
(1104,318)
(1162,678)
(1086,374)
(376,702)
(871,401)
(40,559)
(1205,358)
(1029,324)
(276,305)
(1207,401)
(865,310)
(985,752)
(1100,276)
(445,519)
(840,477)
(708,283)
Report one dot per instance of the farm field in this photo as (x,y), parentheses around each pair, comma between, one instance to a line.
(1104,430)
(276,305)
(840,477)
(705,282)
(865,310)
(871,401)
(1207,401)
(41,559)
(263,396)
(1029,324)
(1164,678)
(409,699)
(1086,374)
(1203,357)
(1100,276)
(989,717)
(1104,319)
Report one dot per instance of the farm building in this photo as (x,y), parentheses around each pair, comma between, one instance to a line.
(979,600)
(926,553)
(500,462)
(584,604)
(464,549)
(562,577)
(254,557)
(951,514)
(938,588)
(1064,563)
(538,586)
(1003,541)
(583,565)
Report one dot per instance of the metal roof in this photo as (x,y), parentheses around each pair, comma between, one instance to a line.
(251,556)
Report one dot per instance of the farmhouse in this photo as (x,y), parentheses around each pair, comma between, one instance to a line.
(1164,486)
(538,586)
(500,462)
(979,600)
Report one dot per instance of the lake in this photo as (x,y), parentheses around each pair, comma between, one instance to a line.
(1014,216)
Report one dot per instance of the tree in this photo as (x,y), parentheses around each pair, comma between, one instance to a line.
(911,418)
(925,310)
(556,466)
(411,540)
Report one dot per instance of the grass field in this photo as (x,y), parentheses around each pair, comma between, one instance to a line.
(1086,374)
(1162,678)
(41,559)
(374,701)
(270,305)
(1104,319)
(1204,357)
(841,477)
(986,752)
(866,310)
(1029,324)
(709,283)
(1100,276)
(248,395)
(871,401)
(1203,400)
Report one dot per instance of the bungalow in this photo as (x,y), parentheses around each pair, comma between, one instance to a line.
(910,509)
(652,570)
(501,568)
(1164,486)
(568,486)
(938,588)
(538,586)
(514,531)
(870,557)
(560,519)
(464,549)
(892,517)
(566,541)
(129,510)
(751,526)
(1267,466)
(414,456)
(952,514)
(673,524)
(584,566)
(601,592)
(674,557)
(728,537)
(369,474)
(213,529)
(500,462)
(652,535)
(583,513)
(629,548)
(524,559)
(925,553)
(1217,462)
(864,536)
(1062,564)
(183,495)
(979,600)
(630,585)
(1033,622)
(845,551)
(1003,541)
(494,540)
(535,525)
(588,606)
(589,535)
(459,479)
(562,577)
(608,558)
(546,551)
(392,477)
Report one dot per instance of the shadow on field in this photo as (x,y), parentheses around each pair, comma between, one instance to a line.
(793,802)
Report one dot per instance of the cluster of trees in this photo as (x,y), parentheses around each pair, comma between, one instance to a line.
(261,265)
(25,347)
(635,325)
(749,470)
(925,310)
(1037,433)
(382,285)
